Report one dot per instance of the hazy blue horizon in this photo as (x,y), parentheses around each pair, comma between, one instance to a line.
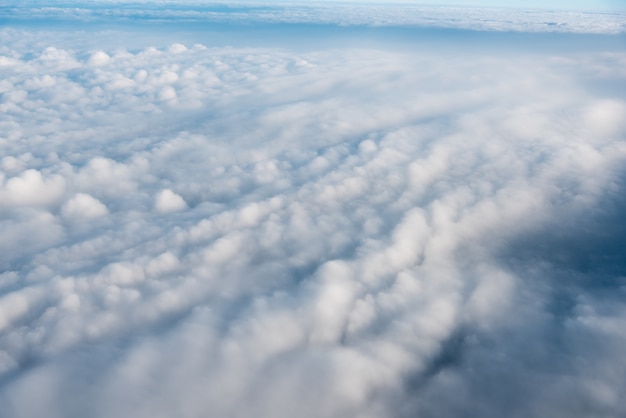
(340,14)
(605,5)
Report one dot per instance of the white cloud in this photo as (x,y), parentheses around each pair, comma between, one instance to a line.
(98,58)
(83,206)
(189,229)
(31,188)
(168,201)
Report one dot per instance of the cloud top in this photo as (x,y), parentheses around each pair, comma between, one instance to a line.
(83,206)
(330,233)
(168,201)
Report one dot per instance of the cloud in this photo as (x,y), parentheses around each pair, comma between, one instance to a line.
(98,58)
(30,188)
(168,201)
(325,233)
(83,206)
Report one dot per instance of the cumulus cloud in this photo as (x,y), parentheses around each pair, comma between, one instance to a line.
(168,201)
(324,233)
(98,58)
(83,206)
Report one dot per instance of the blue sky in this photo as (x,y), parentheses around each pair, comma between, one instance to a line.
(547,4)
(337,14)
(606,5)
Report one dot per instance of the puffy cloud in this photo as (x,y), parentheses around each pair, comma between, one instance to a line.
(324,233)
(30,188)
(98,58)
(168,201)
(83,206)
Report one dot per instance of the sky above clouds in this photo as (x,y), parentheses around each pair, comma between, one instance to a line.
(313,212)
(520,4)
(207,16)
(524,4)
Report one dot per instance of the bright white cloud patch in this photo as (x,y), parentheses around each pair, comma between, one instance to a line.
(323,233)
(83,206)
(168,201)
(98,58)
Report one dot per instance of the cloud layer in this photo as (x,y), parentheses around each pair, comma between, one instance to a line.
(357,232)
(193,12)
